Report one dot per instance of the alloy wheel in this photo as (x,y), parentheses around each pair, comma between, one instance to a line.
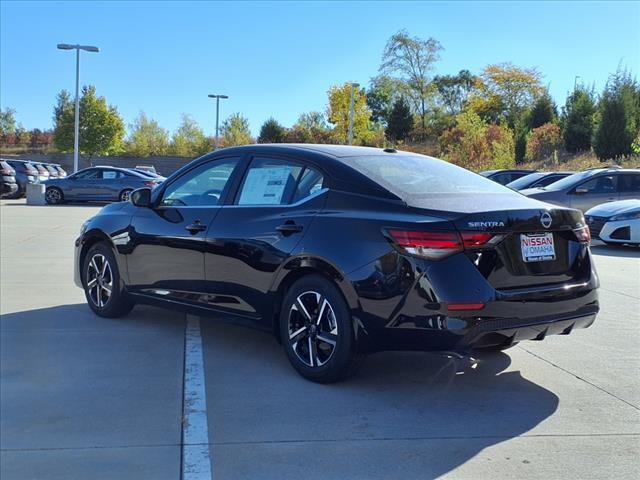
(99,280)
(53,195)
(313,330)
(124,196)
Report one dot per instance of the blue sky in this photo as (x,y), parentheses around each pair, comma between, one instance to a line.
(280,58)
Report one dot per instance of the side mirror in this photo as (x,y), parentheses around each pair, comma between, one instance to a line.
(141,197)
(581,191)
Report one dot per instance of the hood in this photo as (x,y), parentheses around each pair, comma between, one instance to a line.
(614,208)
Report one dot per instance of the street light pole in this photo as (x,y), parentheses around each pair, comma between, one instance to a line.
(217,97)
(351,111)
(76,126)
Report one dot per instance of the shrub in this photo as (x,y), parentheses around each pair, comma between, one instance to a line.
(475,145)
(543,141)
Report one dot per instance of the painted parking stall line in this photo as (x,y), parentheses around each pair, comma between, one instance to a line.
(196,461)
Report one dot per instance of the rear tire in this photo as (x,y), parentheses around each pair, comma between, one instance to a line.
(54,196)
(102,283)
(316,330)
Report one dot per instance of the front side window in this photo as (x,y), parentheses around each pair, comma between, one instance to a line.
(91,174)
(202,186)
(601,184)
(269,182)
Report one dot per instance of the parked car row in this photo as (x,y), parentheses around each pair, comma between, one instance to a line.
(102,184)
(608,196)
(17,174)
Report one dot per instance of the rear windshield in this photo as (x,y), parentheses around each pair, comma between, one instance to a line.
(415,177)
(522,182)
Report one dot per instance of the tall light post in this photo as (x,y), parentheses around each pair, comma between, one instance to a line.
(351,110)
(76,133)
(217,97)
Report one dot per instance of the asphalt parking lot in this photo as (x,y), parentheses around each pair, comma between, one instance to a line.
(86,397)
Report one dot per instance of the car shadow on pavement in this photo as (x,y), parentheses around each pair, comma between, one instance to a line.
(404,414)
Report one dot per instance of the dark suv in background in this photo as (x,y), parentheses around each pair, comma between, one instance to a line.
(9,185)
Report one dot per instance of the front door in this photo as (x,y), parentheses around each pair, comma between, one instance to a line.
(251,238)
(167,255)
(601,189)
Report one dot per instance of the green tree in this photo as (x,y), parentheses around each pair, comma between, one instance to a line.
(412,60)
(311,127)
(338,113)
(619,112)
(400,121)
(504,92)
(7,121)
(271,132)
(455,89)
(189,140)
(235,131)
(577,120)
(146,138)
(382,93)
(101,127)
(544,111)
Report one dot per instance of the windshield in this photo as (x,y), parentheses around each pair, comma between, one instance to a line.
(569,181)
(416,176)
(525,181)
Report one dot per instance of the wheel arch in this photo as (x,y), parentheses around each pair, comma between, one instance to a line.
(90,239)
(299,267)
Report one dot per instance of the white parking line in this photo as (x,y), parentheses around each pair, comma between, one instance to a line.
(196,462)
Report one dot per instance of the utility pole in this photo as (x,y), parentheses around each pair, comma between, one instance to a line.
(351,110)
(217,97)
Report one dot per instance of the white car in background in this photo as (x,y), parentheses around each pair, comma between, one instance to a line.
(615,222)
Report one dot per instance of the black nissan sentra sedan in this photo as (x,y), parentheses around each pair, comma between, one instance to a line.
(339,251)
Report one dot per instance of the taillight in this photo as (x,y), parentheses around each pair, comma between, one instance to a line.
(583,234)
(437,245)
(431,245)
(6,171)
(151,183)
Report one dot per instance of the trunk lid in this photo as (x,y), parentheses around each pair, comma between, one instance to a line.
(532,246)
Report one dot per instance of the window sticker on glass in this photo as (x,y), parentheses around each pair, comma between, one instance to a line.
(106,175)
(265,186)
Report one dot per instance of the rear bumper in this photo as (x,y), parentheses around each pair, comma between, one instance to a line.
(418,318)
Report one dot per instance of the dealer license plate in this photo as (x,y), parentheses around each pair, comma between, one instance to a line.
(538,247)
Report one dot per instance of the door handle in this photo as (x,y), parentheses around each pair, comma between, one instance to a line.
(196,227)
(288,228)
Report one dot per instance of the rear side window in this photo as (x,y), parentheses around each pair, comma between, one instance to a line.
(269,182)
(310,182)
(111,174)
(629,182)
(415,176)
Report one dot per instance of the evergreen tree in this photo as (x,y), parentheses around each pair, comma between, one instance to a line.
(544,110)
(577,120)
(400,121)
(271,132)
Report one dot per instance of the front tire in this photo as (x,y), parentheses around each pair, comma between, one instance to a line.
(102,285)
(53,196)
(316,330)
(124,195)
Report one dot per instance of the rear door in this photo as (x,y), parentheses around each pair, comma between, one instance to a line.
(601,189)
(167,255)
(250,238)
(629,186)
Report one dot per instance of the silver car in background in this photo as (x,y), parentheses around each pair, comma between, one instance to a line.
(101,184)
(593,187)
